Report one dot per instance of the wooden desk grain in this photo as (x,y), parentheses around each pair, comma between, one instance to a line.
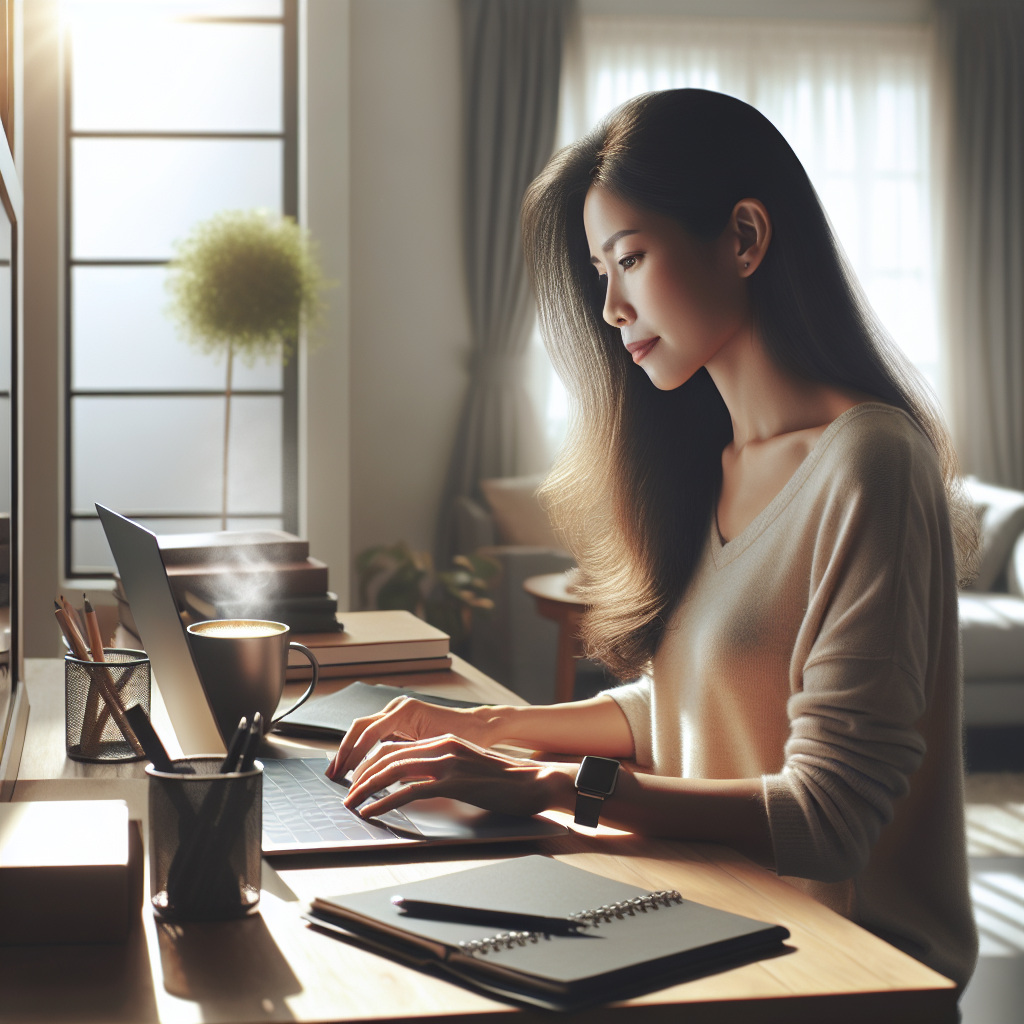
(271,967)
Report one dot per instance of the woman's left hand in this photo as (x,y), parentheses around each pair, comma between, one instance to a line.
(453,767)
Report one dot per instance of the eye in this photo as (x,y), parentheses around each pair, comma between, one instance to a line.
(628,262)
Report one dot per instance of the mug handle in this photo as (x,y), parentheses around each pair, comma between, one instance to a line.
(309,692)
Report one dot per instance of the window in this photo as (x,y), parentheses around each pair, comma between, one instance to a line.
(175,110)
(852,100)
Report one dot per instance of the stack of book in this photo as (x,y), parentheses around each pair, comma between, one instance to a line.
(372,643)
(261,574)
(268,574)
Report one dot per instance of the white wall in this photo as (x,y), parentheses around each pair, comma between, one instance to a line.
(42,381)
(325,379)
(408,315)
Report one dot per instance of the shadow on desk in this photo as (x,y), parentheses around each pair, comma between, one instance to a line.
(117,979)
(234,964)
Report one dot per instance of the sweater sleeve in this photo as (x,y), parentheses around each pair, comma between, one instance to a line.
(860,668)
(634,700)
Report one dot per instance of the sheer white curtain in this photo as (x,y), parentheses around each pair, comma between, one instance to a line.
(853,99)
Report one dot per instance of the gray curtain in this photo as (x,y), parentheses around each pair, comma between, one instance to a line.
(983,44)
(512,58)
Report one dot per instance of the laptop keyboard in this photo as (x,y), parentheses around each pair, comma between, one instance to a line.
(302,806)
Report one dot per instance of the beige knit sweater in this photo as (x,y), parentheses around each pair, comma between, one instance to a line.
(819,650)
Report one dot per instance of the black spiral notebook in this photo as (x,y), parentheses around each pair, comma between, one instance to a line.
(627,940)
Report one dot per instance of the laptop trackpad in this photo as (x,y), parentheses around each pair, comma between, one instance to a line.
(444,818)
(437,818)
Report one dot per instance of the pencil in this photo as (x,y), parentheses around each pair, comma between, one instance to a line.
(95,719)
(71,634)
(103,680)
(92,625)
(92,712)
(79,650)
(71,612)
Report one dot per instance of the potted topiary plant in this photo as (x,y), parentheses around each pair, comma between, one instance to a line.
(394,576)
(244,283)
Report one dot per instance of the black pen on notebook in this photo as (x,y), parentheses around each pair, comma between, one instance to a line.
(492,918)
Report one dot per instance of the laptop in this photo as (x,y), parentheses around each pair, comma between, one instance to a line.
(303,811)
(144,578)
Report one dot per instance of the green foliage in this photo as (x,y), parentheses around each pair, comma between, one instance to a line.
(447,600)
(245,281)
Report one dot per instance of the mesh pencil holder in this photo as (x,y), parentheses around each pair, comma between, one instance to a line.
(92,732)
(205,841)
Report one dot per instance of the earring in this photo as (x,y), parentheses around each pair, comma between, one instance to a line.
(745,265)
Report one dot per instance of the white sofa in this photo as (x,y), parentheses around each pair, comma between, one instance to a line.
(992,612)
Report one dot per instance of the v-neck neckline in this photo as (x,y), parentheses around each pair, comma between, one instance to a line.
(724,551)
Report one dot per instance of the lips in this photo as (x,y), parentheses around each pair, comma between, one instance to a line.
(639,349)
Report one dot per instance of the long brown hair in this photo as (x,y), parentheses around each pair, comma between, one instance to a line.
(634,486)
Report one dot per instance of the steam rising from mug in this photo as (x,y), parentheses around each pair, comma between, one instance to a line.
(242,665)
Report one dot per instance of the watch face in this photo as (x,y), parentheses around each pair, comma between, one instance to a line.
(597,775)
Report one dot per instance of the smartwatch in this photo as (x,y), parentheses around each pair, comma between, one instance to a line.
(595,782)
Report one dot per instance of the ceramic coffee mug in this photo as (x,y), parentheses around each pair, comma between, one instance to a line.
(242,664)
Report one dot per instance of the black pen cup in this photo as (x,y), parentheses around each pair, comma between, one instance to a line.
(92,732)
(205,840)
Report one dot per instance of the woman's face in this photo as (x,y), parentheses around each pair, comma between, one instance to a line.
(677,301)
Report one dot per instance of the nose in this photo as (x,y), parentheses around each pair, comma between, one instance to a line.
(617,311)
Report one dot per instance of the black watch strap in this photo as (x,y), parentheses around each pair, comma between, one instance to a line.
(588,809)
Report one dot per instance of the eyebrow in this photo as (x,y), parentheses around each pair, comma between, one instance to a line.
(614,238)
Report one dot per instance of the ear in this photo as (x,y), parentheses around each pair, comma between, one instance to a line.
(752,231)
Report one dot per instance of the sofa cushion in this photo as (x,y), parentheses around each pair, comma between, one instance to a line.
(518,512)
(992,632)
(1001,516)
(1015,569)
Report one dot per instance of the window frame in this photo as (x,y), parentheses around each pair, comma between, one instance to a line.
(289,392)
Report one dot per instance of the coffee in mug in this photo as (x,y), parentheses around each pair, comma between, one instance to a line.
(238,628)
(242,665)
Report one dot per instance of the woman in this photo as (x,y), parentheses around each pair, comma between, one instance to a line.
(764,510)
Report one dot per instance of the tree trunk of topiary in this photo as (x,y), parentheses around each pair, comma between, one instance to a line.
(227,438)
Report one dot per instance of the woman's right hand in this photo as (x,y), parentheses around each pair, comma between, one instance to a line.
(405,719)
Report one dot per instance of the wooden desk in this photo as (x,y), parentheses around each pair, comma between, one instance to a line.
(271,967)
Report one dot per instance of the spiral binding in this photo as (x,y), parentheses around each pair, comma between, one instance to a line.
(584,919)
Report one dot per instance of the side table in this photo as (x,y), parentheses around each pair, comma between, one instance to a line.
(555,601)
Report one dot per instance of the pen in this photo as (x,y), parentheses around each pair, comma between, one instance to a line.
(154,749)
(235,747)
(251,743)
(205,858)
(495,918)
